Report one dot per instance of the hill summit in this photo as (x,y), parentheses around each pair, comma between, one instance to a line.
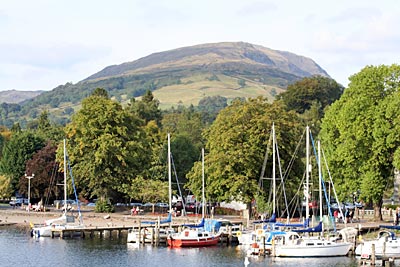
(179,76)
(229,69)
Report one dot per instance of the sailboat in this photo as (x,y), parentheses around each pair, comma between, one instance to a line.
(260,237)
(63,222)
(197,235)
(385,245)
(145,234)
(293,245)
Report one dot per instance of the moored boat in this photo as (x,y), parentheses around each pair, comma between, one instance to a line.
(385,245)
(53,227)
(193,238)
(293,245)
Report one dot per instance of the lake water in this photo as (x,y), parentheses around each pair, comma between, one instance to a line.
(18,249)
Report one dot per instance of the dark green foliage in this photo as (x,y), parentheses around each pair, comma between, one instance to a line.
(300,95)
(16,128)
(104,206)
(210,106)
(100,92)
(147,109)
(16,152)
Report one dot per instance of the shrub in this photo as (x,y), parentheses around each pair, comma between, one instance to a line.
(104,206)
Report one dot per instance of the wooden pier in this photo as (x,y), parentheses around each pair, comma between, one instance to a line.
(108,231)
(89,231)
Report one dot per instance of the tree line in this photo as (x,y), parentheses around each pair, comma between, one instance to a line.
(119,152)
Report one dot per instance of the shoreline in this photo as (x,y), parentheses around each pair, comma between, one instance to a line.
(23,218)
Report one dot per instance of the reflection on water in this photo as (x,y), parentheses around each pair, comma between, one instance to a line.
(19,249)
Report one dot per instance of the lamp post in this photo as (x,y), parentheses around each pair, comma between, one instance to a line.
(29,186)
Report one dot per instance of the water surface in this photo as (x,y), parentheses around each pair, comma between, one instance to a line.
(18,249)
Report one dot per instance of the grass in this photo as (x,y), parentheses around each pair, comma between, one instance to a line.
(194,88)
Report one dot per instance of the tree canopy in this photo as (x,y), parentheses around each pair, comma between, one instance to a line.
(236,146)
(361,134)
(43,165)
(16,152)
(301,95)
(107,147)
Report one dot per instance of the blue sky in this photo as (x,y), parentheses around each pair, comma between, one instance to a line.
(45,43)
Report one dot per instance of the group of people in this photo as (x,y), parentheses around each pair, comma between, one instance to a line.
(135,210)
(349,214)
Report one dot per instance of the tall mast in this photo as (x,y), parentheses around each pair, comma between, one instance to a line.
(320,180)
(203,183)
(169,174)
(65,177)
(273,170)
(307,171)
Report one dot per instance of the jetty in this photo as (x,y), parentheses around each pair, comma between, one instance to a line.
(89,231)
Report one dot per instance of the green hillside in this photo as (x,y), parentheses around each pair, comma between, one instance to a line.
(179,76)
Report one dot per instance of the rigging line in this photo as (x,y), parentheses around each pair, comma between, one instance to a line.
(291,162)
(323,185)
(333,186)
(260,181)
(73,186)
(177,182)
(298,191)
(280,172)
(52,179)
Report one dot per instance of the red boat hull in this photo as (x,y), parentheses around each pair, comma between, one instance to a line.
(201,242)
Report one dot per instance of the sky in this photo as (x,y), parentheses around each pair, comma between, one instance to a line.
(46,43)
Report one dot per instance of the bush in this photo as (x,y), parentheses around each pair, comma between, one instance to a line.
(104,206)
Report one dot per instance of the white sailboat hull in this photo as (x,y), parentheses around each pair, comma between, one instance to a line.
(390,248)
(325,249)
(52,230)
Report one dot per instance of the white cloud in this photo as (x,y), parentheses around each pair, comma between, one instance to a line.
(68,40)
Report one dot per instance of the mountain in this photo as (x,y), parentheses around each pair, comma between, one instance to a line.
(181,76)
(14,96)
(229,69)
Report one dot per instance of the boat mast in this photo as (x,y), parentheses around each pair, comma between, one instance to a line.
(65,177)
(169,175)
(307,171)
(202,177)
(273,170)
(320,180)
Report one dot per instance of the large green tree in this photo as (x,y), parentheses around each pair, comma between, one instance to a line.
(186,127)
(361,136)
(16,152)
(107,147)
(237,142)
(300,95)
